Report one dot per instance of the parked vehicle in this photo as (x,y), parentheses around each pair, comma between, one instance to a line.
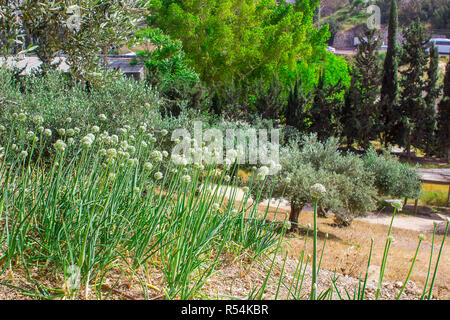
(443,45)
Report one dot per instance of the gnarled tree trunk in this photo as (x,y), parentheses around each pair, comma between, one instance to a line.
(296,209)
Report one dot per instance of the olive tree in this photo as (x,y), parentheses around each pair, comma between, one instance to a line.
(392,178)
(79,29)
(350,189)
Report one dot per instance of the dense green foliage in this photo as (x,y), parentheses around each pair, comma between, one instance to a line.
(392,178)
(389,84)
(432,89)
(91,193)
(56,98)
(81,30)
(165,59)
(360,116)
(443,122)
(350,189)
(242,40)
(412,106)
(104,202)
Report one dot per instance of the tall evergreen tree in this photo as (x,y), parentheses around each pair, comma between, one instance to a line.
(443,118)
(389,84)
(432,90)
(297,104)
(413,107)
(360,112)
(432,87)
(325,110)
(269,101)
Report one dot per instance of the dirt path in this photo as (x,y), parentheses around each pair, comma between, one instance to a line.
(405,222)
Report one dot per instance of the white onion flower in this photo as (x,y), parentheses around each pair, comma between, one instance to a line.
(70,132)
(132,162)
(262,173)
(179,160)
(22,116)
(148,166)
(60,145)
(397,204)
(186,178)
(87,140)
(62,132)
(30,135)
(102,117)
(95,129)
(23,154)
(47,132)
(158,175)
(115,139)
(232,154)
(38,119)
(317,191)
(156,156)
(111,153)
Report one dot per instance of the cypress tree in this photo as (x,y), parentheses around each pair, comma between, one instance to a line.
(297,103)
(413,107)
(389,84)
(269,102)
(432,90)
(325,110)
(350,120)
(443,118)
(432,87)
(360,112)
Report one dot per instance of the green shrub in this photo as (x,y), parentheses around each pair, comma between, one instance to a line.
(64,104)
(392,178)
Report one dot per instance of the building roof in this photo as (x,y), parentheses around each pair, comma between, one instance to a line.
(119,62)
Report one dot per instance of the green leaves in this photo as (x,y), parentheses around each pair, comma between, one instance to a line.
(227,40)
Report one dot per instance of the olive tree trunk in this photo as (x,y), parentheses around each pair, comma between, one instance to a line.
(296,209)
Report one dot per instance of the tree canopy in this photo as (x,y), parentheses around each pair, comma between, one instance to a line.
(242,39)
